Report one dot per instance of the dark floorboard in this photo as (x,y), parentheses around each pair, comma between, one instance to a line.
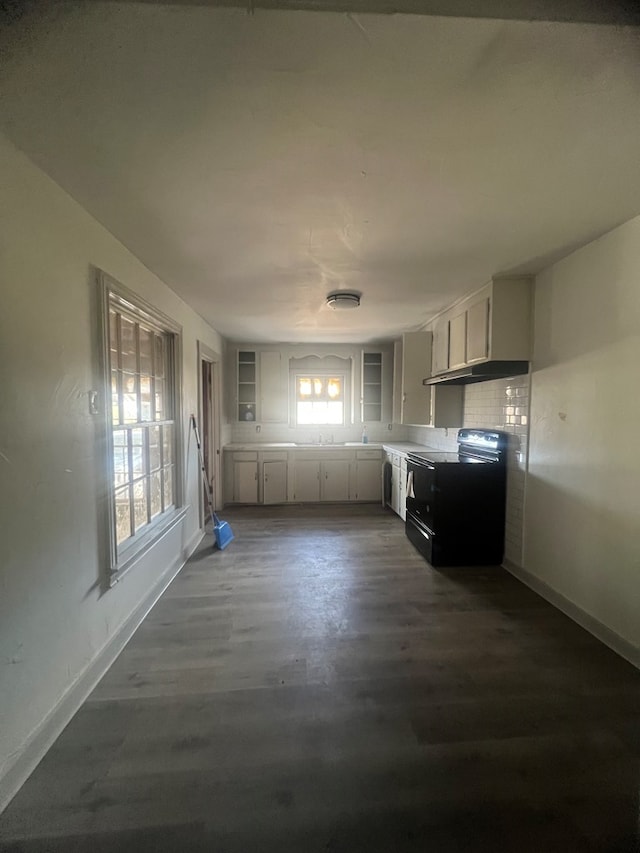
(318,687)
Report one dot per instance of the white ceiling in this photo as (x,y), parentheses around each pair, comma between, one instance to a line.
(256,162)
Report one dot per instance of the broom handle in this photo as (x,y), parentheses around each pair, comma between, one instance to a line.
(205,479)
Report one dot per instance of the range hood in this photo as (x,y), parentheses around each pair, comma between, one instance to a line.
(483,372)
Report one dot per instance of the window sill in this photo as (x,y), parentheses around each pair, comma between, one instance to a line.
(137,550)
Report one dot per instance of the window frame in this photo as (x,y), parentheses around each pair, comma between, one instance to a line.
(325,375)
(325,365)
(120,559)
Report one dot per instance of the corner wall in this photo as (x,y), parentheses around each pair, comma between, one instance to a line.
(582,541)
(54,623)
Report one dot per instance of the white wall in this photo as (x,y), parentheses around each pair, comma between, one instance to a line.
(582,530)
(54,620)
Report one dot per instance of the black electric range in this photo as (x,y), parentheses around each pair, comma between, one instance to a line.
(456,501)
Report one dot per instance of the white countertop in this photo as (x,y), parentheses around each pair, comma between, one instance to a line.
(405,446)
(394,446)
(291,445)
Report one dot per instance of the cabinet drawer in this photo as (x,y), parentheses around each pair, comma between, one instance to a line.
(368,454)
(244,456)
(274,456)
(324,455)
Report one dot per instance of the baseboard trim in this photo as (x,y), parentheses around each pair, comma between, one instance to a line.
(32,753)
(600,631)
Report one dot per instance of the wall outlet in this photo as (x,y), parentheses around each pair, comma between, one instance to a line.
(258,427)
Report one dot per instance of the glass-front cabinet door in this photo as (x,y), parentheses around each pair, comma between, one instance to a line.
(371,386)
(247,387)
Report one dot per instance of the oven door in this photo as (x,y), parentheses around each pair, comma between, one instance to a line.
(421,490)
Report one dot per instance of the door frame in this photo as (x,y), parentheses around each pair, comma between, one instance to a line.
(214,440)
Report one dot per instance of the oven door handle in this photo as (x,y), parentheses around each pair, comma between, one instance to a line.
(421,463)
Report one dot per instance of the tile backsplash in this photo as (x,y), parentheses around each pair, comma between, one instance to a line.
(501,404)
(246,432)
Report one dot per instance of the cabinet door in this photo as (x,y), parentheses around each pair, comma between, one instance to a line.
(440,348)
(334,477)
(416,365)
(478,331)
(402,490)
(458,340)
(273,394)
(306,479)
(246,393)
(245,482)
(395,489)
(369,480)
(396,414)
(274,482)
(447,406)
(371,391)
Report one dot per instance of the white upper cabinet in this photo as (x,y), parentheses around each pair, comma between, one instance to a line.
(440,346)
(261,387)
(376,382)
(446,406)
(416,364)
(260,384)
(273,388)
(246,388)
(477,332)
(371,390)
(458,340)
(412,400)
(492,324)
(510,319)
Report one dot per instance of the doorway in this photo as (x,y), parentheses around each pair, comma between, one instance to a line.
(209,399)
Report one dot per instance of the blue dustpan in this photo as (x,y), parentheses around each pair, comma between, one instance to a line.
(222,532)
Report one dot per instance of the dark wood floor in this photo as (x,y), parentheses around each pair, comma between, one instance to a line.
(318,687)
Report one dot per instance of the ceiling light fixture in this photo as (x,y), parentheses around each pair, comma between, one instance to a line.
(341,299)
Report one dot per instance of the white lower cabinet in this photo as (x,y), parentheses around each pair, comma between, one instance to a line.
(393,459)
(398,462)
(245,481)
(402,502)
(368,479)
(334,480)
(274,481)
(306,480)
(395,490)
(304,476)
(321,480)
